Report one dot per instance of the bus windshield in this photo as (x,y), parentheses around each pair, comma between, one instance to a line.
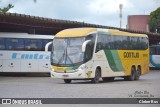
(67,51)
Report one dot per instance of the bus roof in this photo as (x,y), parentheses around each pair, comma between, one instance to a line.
(81,32)
(75,32)
(122,33)
(24,35)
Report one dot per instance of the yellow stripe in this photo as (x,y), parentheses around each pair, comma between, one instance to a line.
(122,33)
(82,32)
(75,32)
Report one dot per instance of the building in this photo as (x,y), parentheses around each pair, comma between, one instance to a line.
(14,22)
(138,22)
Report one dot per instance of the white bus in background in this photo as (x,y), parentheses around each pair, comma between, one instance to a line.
(22,52)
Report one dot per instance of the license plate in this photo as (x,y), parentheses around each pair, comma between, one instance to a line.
(65,75)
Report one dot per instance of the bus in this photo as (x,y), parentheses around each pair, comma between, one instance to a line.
(22,52)
(154,56)
(95,53)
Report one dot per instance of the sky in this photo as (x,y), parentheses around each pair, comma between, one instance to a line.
(101,12)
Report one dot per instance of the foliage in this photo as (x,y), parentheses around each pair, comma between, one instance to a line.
(6,9)
(154,20)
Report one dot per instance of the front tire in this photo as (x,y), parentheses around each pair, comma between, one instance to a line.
(97,76)
(67,81)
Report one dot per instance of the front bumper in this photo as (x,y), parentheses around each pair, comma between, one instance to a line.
(78,74)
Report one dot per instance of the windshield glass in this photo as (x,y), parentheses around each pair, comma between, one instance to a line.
(67,51)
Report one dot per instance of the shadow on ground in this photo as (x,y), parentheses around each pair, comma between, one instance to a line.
(25,74)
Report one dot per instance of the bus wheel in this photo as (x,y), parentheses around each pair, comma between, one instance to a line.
(132,76)
(138,73)
(105,79)
(97,76)
(67,81)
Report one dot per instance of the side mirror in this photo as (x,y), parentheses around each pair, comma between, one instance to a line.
(84,45)
(47,45)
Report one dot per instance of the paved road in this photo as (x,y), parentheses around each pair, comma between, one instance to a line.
(26,86)
(45,87)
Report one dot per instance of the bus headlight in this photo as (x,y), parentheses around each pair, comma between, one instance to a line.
(52,69)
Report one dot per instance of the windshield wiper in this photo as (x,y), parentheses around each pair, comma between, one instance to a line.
(61,58)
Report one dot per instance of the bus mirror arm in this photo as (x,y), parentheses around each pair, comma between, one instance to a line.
(84,45)
(47,45)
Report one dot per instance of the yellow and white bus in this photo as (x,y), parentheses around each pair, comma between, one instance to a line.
(94,53)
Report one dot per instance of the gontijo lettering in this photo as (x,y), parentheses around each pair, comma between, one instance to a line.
(29,56)
(131,55)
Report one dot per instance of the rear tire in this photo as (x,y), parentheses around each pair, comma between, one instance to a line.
(132,76)
(67,81)
(138,73)
(97,76)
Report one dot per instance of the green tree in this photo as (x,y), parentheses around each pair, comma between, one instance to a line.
(154,20)
(6,9)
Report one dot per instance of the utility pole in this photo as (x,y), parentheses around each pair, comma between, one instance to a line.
(120,15)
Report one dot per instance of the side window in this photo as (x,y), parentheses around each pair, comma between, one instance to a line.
(14,44)
(33,45)
(129,46)
(158,51)
(152,51)
(20,44)
(124,42)
(111,43)
(101,42)
(88,52)
(90,47)
(133,43)
(2,44)
(117,42)
(109,40)
(145,43)
(45,41)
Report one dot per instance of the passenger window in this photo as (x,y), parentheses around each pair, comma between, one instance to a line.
(90,47)
(108,42)
(101,42)
(152,51)
(14,44)
(2,43)
(158,51)
(33,45)
(45,42)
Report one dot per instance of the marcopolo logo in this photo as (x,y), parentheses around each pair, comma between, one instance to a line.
(29,56)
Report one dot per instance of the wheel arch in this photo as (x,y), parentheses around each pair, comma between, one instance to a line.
(99,68)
